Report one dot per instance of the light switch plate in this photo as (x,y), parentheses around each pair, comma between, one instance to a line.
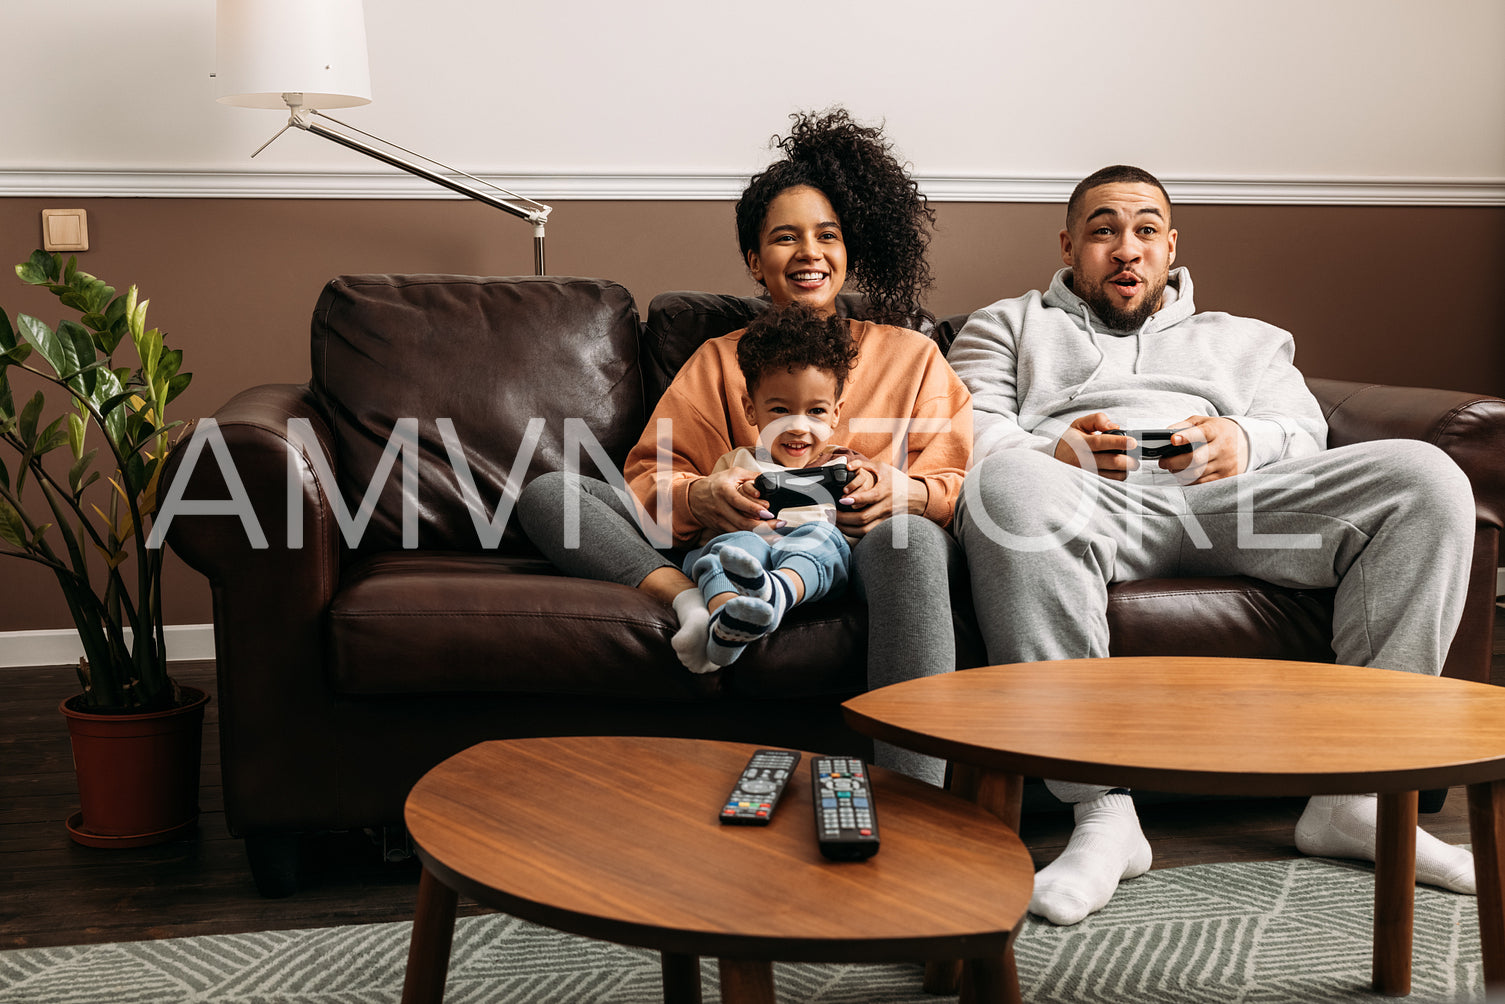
(65,230)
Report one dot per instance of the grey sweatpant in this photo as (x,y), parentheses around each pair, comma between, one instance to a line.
(903,568)
(1390,524)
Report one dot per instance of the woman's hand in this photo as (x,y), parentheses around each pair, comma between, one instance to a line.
(727,501)
(886,492)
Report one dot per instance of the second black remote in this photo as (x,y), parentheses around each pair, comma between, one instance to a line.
(757,791)
(846,822)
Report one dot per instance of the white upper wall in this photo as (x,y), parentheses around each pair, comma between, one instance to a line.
(1320,90)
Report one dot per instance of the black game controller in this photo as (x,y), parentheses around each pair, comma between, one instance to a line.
(1154,443)
(801,486)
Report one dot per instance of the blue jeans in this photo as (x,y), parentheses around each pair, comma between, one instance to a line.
(816,552)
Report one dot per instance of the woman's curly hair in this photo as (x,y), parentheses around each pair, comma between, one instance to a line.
(885,221)
(794,337)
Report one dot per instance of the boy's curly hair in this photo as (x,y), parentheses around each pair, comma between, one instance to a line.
(885,221)
(794,337)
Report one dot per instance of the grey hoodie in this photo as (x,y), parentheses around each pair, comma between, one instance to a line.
(1034,363)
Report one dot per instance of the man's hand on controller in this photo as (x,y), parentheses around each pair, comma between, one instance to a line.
(1089,443)
(1221,450)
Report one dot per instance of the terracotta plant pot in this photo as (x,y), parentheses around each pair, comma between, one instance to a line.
(138,775)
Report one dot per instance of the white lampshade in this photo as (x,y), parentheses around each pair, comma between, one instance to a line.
(266,48)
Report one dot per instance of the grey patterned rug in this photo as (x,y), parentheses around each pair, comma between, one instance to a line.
(1279,931)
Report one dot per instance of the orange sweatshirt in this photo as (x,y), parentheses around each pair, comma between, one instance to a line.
(899,376)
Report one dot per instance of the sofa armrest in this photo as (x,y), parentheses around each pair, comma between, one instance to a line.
(254,425)
(270,603)
(1470,428)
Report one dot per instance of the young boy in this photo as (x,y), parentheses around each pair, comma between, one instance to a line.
(795,364)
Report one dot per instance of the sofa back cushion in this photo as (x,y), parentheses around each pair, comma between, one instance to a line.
(490,355)
(680,321)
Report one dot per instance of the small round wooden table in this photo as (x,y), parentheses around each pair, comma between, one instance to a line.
(620,839)
(1230,726)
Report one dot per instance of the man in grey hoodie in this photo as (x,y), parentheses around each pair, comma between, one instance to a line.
(1054,509)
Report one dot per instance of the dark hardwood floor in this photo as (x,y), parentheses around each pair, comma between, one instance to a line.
(55,892)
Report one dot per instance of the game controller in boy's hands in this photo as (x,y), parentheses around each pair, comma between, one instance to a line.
(802,486)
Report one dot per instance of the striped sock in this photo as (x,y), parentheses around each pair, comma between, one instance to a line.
(746,573)
(749,578)
(738,623)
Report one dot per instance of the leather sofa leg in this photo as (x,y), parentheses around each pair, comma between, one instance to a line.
(276,863)
(1431,801)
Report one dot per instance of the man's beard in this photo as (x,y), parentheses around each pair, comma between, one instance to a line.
(1121,318)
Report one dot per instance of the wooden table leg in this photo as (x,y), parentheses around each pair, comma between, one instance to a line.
(681,978)
(746,981)
(1486,826)
(428,951)
(943,977)
(1394,892)
(1002,794)
(991,981)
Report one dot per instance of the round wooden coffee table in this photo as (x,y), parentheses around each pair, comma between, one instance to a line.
(1230,726)
(619,839)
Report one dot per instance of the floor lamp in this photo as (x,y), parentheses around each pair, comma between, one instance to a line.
(304,55)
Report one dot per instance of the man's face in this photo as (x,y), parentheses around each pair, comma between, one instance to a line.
(1120,248)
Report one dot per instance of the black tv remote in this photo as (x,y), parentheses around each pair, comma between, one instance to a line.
(757,791)
(846,822)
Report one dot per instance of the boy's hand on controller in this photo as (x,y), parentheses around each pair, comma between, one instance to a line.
(862,477)
(1221,450)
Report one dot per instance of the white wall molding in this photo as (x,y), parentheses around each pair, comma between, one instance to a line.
(725,187)
(61,647)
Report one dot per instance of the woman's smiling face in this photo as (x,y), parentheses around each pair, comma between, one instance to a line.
(801,255)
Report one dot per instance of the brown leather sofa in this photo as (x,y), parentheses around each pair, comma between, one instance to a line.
(350,664)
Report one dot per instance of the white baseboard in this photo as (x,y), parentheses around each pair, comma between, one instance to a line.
(61,647)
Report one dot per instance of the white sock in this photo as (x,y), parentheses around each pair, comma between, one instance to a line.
(1106,847)
(694,628)
(1343,826)
(736,624)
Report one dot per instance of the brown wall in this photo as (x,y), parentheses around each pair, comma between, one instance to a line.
(1391,295)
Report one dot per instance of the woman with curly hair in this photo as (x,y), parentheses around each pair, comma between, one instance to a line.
(837,203)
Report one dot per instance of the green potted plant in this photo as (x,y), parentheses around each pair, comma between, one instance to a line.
(87,520)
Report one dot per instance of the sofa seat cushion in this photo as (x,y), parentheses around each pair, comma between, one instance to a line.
(418,622)
(1234,617)
(819,650)
(422,622)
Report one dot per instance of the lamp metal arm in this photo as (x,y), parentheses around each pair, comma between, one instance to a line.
(520,206)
